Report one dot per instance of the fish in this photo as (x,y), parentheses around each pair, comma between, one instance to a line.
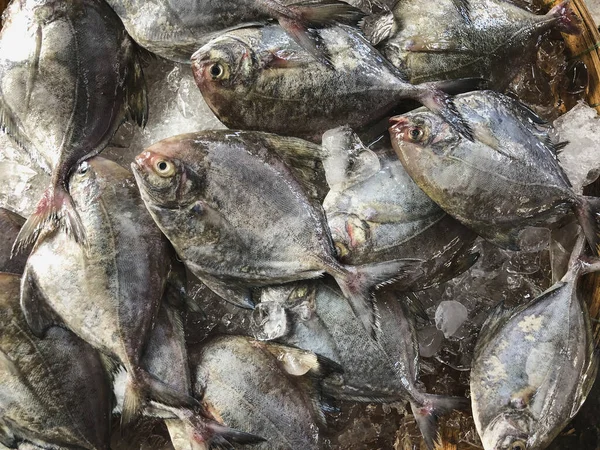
(534,365)
(10,224)
(259,79)
(491,39)
(239,217)
(504,182)
(376,212)
(66,88)
(176,29)
(383,371)
(263,387)
(108,292)
(54,392)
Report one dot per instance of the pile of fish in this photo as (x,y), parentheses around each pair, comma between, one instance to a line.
(320,216)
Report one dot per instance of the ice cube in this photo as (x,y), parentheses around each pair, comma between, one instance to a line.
(20,187)
(449,317)
(580,158)
(430,340)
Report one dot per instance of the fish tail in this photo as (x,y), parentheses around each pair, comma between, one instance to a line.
(566,20)
(357,281)
(133,402)
(587,210)
(223,436)
(430,410)
(55,210)
(300,19)
(443,105)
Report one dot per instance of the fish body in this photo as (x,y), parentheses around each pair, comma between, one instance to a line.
(240,217)
(175,29)
(433,41)
(54,392)
(109,292)
(247,387)
(259,79)
(376,212)
(507,180)
(10,224)
(385,370)
(533,368)
(64,91)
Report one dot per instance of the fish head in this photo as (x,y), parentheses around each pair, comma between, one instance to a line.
(222,68)
(351,236)
(510,430)
(89,179)
(164,175)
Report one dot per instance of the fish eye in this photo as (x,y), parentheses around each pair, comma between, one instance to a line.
(341,250)
(216,71)
(415,133)
(164,168)
(83,168)
(518,445)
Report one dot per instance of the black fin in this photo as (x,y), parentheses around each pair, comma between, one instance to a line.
(460,86)
(136,95)
(587,210)
(379,27)
(433,408)
(441,104)
(240,296)
(37,312)
(223,435)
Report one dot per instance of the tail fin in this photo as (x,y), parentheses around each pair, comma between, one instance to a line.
(133,403)
(433,407)
(587,210)
(222,436)
(54,210)
(459,86)
(566,20)
(441,104)
(356,282)
(300,19)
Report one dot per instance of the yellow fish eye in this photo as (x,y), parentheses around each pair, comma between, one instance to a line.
(218,71)
(518,445)
(164,168)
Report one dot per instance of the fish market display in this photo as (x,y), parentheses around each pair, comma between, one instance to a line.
(507,180)
(534,366)
(54,392)
(175,29)
(317,265)
(432,41)
(260,79)
(377,213)
(10,224)
(260,387)
(240,218)
(64,91)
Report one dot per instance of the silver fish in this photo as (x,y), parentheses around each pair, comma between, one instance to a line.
(64,91)
(534,366)
(239,217)
(505,181)
(432,41)
(54,392)
(175,29)
(259,387)
(260,79)
(377,213)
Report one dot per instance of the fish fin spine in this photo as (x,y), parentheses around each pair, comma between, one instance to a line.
(587,210)
(430,410)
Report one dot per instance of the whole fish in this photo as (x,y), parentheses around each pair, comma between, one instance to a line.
(431,41)
(109,292)
(64,91)
(534,366)
(259,387)
(376,213)
(260,79)
(175,29)
(10,224)
(384,371)
(507,180)
(54,392)
(239,217)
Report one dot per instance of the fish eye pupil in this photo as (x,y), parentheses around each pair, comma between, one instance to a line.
(415,133)
(216,70)
(162,166)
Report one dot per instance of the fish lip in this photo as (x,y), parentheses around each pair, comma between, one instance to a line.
(398,120)
(198,55)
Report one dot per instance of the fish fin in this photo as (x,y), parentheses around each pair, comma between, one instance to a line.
(38,314)
(587,210)
(7,365)
(326,12)
(309,39)
(55,210)
(459,86)
(136,93)
(356,282)
(418,44)
(494,321)
(567,21)
(428,413)
(415,306)
(441,104)
(133,402)
(294,361)
(240,296)
(9,125)
(587,377)
(379,27)
(558,147)
(464,9)
(347,160)
(222,436)
(281,59)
